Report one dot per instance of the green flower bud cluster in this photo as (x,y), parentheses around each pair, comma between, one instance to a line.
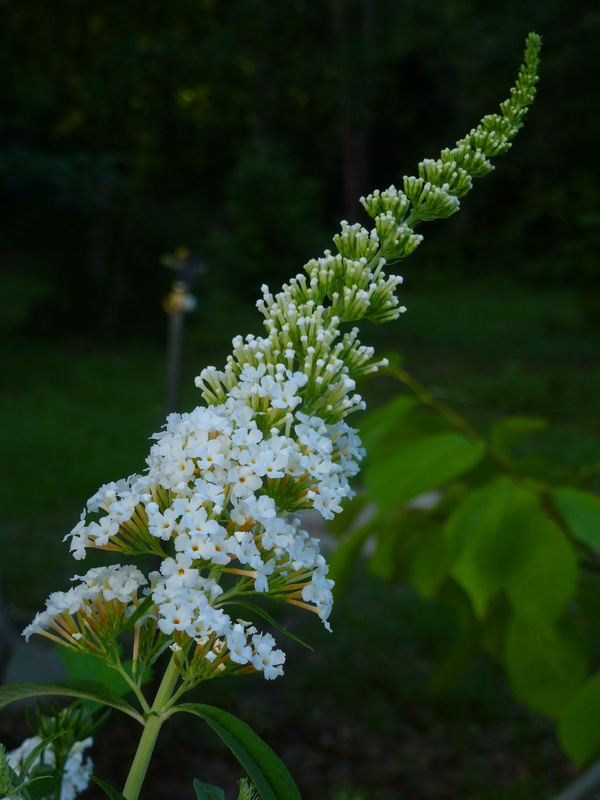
(303,320)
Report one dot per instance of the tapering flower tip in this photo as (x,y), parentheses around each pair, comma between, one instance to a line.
(391,201)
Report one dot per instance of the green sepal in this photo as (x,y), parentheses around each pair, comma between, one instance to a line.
(265,769)
(87,690)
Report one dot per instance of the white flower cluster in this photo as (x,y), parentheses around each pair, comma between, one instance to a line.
(220,489)
(115,583)
(77,771)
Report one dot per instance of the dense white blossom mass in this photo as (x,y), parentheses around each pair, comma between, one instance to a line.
(218,503)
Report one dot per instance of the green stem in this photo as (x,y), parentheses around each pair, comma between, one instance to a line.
(135,688)
(424,396)
(154,721)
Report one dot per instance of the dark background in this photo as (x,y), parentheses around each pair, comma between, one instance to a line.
(245,131)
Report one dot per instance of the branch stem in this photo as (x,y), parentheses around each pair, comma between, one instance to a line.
(154,720)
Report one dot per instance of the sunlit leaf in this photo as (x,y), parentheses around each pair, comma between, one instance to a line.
(113,793)
(500,539)
(581,511)
(420,465)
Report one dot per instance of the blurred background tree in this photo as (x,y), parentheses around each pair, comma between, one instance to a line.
(247,131)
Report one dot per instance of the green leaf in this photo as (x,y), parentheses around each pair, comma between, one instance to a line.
(581,511)
(579,730)
(351,510)
(378,424)
(37,750)
(87,690)
(420,465)
(41,787)
(109,790)
(87,667)
(265,769)
(429,566)
(140,611)
(265,615)
(510,432)
(499,539)
(546,667)
(344,557)
(204,791)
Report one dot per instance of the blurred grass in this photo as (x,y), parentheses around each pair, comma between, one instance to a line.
(74,415)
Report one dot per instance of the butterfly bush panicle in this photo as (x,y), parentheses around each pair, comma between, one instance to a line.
(224,483)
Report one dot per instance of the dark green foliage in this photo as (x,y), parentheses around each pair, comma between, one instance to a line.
(265,769)
(516,557)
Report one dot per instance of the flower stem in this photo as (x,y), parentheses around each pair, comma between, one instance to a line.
(154,721)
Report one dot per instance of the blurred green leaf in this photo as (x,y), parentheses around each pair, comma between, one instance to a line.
(428,567)
(579,728)
(499,538)
(544,578)
(343,559)
(581,511)
(546,666)
(418,466)
(343,521)
(83,665)
(377,425)
(204,791)
(510,432)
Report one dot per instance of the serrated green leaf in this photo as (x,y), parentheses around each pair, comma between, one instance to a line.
(113,793)
(579,728)
(499,539)
(204,791)
(581,511)
(419,466)
(510,432)
(265,769)
(87,690)
(265,615)
(546,667)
